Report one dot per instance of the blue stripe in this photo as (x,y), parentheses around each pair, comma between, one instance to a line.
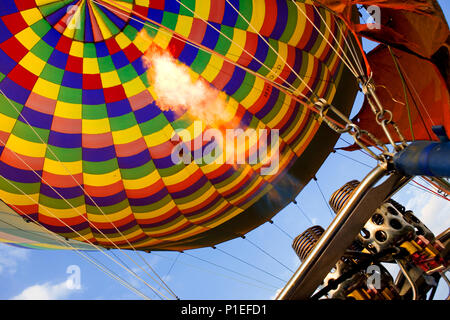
(282,18)
(134,161)
(147,113)
(119,108)
(235,82)
(93,97)
(65,140)
(72,80)
(150,199)
(99,154)
(14,91)
(66,193)
(19,175)
(108,200)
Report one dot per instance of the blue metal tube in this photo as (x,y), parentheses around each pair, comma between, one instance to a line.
(426,158)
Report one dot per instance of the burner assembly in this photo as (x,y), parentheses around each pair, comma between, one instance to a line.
(393,235)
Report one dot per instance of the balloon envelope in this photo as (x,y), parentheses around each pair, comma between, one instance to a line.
(85,149)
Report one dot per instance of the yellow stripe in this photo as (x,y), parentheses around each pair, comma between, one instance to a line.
(77,49)
(212,69)
(258,15)
(162,135)
(31,16)
(236,181)
(202,217)
(61,168)
(181,175)
(300,26)
(185,233)
(25,147)
(46,89)
(90,66)
(61,213)
(155,213)
(110,79)
(223,218)
(283,110)
(100,180)
(101,24)
(43,2)
(236,48)
(27,38)
(142,182)
(134,87)
(19,199)
(197,201)
(110,217)
(32,63)
(68,110)
(255,93)
(184,25)
(311,130)
(202,9)
(96,126)
(122,40)
(6,123)
(127,135)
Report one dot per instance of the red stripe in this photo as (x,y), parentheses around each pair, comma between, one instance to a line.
(146,191)
(130,148)
(23,77)
(14,49)
(99,140)
(198,30)
(62,181)
(65,125)
(41,104)
(251,43)
(270,18)
(157,219)
(190,180)
(224,76)
(13,159)
(205,203)
(216,11)
(104,191)
(15,22)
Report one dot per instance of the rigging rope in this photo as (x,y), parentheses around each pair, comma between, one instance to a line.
(82,188)
(323,197)
(228,269)
(67,243)
(251,265)
(268,254)
(61,221)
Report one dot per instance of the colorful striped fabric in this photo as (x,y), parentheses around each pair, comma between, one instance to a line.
(84,148)
(15,231)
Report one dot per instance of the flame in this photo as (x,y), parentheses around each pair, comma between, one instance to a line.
(178,90)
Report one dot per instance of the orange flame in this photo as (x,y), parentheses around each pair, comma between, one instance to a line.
(178,91)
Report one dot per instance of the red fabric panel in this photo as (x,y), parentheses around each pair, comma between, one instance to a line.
(428,97)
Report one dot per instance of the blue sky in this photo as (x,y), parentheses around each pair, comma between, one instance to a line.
(32,274)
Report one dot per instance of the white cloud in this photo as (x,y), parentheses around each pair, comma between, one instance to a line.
(10,258)
(46,291)
(432,210)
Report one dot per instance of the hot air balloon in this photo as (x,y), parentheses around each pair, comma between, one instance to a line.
(83,137)
(108,110)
